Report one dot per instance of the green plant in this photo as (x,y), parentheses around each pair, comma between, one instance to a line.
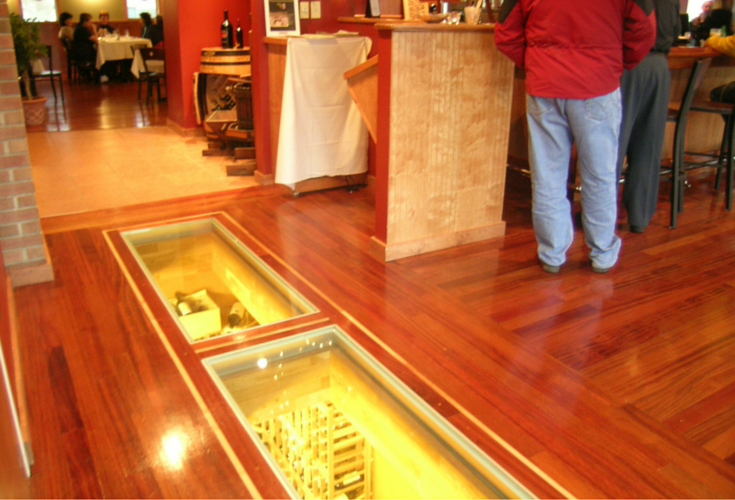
(28,47)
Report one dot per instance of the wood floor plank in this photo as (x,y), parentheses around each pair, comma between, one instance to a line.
(708,418)
(723,445)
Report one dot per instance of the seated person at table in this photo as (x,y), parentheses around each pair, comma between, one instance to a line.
(66,21)
(156,32)
(147,22)
(104,24)
(706,11)
(85,39)
(710,19)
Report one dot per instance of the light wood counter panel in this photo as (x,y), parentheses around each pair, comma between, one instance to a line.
(448,102)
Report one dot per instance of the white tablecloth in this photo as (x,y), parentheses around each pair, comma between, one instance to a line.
(321,132)
(110,49)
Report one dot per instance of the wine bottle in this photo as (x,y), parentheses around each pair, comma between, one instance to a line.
(226,33)
(236,314)
(238,35)
(182,306)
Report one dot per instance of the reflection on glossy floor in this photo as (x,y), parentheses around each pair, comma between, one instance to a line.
(618,385)
(94,107)
(92,164)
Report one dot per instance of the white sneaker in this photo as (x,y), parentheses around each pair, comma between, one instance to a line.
(103,79)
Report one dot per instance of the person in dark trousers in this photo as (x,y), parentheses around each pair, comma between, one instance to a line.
(645,90)
(574,52)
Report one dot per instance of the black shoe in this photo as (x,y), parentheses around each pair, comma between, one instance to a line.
(637,229)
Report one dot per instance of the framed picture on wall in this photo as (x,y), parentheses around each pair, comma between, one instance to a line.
(282,18)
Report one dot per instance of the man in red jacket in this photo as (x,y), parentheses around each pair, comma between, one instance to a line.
(574,52)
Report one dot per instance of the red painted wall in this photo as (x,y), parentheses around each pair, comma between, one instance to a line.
(192,25)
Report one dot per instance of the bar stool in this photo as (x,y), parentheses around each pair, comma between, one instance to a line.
(679,116)
(727,111)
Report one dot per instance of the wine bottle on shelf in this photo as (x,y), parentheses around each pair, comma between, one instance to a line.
(226,33)
(236,314)
(238,35)
(182,306)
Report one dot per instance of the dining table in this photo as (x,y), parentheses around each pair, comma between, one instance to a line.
(116,48)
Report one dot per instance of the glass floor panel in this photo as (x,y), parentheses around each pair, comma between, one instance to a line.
(335,423)
(212,282)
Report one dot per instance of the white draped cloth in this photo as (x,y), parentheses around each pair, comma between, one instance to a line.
(114,49)
(322,133)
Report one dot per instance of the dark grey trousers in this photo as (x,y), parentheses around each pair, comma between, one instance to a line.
(645,95)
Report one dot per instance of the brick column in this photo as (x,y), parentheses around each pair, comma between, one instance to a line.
(23,245)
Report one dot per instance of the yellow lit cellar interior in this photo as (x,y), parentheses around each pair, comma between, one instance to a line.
(214,284)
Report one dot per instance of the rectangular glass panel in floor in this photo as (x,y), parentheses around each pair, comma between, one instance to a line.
(213,283)
(335,423)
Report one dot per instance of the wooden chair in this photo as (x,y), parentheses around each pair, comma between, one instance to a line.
(679,116)
(51,75)
(141,74)
(70,68)
(75,68)
(153,77)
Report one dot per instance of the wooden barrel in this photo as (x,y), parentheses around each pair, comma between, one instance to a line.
(219,61)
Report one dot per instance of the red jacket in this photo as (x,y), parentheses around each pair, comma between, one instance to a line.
(575,49)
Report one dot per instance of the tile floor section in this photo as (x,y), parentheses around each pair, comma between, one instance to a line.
(87,170)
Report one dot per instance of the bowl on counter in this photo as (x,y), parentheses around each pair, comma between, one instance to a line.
(433,18)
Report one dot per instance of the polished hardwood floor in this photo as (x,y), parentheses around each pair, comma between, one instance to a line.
(581,385)
(586,385)
(89,106)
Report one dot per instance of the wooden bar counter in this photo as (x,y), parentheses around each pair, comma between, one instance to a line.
(444,101)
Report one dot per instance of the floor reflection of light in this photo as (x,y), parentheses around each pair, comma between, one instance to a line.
(173,450)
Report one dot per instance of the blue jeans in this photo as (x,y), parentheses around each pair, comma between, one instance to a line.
(594,125)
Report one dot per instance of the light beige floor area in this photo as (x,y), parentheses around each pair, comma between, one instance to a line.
(86,170)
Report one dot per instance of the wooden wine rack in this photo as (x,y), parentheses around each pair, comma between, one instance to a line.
(322,454)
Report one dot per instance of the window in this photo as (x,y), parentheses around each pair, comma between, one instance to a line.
(136,7)
(694,8)
(41,10)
